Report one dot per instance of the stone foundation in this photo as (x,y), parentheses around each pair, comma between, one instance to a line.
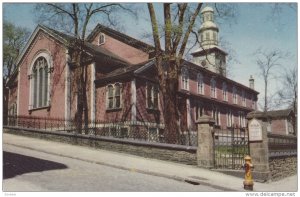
(281,167)
(168,152)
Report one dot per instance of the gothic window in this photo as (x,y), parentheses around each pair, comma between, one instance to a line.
(200,83)
(39,83)
(101,39)
(224,92)
(234,95)
(113,93)
(152,96)
(184,78)
(213,88)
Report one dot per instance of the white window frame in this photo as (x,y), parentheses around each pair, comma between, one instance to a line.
(184,78)
(213,93)
(234,95)
(101,39)
(114,96)
(229,118)
(243,98)
(153,88)
(45,94)
(224,88)
(216,115)
(200,83)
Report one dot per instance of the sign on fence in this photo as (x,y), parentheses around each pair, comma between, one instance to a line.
(255,130)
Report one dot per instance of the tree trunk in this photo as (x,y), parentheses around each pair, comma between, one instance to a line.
(171,116)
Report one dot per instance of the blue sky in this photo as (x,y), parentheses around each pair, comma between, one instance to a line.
(254,28)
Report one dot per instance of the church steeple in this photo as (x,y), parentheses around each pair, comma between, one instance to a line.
(210,55)
(209,30)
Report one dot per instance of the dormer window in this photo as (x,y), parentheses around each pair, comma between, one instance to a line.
(101,39)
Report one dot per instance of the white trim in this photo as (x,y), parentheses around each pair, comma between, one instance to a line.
(188,108)
(67,88)
(93,91)
(18,93)
(133,99)
(146,66)
(45,54)
(286,127)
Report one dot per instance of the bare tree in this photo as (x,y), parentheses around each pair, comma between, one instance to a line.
(288,95)
(74,19)
(267,61)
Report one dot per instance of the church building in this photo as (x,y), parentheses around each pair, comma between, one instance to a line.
(122,85)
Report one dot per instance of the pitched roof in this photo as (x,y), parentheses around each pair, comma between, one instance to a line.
(125,71)
(121,37)
(270,114)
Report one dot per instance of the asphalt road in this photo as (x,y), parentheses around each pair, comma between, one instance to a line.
(30,170)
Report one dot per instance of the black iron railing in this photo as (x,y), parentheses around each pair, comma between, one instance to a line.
(282,145)
(230,147)
(134,130)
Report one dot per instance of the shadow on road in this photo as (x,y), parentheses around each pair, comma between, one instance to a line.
(16,164)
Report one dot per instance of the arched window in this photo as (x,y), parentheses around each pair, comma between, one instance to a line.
(224,91)
(40,82)
(184,78)
(113,96)
(213,88)
(200,83)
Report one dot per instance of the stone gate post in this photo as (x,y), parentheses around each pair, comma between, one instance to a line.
(258,144)
(205,153)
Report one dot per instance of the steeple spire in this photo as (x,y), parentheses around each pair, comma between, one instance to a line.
(209,30)
(209,55)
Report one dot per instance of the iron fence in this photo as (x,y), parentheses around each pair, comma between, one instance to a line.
(230,147)
(132,130)
(282,145)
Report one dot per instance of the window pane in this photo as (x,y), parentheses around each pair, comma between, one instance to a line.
(46,86)
(117,90)
(40,87)
(110,103)
(118,102)
(155,95)
(34,88)
(149,96)
(110,91)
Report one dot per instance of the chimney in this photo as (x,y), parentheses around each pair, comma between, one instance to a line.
(251,82)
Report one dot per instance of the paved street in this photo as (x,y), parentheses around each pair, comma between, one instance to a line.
(29,170)
(32,164)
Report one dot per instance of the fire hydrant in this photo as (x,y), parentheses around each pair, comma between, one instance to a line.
(248,182)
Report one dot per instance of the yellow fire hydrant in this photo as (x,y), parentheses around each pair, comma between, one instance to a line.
(248,182)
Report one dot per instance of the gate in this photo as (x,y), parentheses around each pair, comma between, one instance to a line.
(230,147)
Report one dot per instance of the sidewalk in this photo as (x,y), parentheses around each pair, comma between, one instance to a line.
(154,167)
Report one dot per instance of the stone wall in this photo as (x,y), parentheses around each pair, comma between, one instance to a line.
(281,167)
(169,152)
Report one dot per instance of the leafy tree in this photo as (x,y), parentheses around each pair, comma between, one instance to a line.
(14,39)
